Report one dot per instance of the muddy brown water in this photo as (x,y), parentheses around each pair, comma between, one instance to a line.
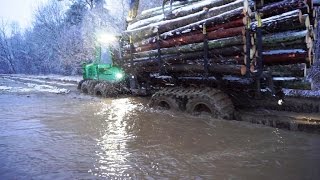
(73,136)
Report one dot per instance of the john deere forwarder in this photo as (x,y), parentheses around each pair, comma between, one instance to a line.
(212,56)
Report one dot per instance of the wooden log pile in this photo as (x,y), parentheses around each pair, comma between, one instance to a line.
(210,37)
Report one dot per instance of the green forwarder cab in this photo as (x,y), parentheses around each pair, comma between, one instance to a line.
(102,74)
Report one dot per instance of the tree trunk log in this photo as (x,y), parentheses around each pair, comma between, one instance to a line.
(164,26)
(213,44)
(194,38)
(232,24)
(158,10)
(284,37)
(285,57)
(292,70)
(213,68)
(284,6)
(292,20)
(180,12)
(214,53)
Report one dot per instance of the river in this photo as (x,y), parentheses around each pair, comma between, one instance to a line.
(50,131)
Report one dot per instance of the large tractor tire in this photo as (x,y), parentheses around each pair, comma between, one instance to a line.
(164,101)
(100,90)
(105,89)
(85,87)
(80,83)
(211,101)
(91,85)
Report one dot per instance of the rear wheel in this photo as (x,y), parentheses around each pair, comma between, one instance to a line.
(214,102)
(99,90)
(80,83)
(164,101)
(84,87)
(91,85)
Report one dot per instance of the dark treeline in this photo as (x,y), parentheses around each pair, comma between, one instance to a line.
(63,35)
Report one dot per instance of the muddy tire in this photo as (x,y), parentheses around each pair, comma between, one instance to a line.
(100,89)
(91,85)
(212,101)
(84,87)
(80,83)
(166,102)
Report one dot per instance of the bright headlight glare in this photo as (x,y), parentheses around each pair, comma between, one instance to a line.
(119,75)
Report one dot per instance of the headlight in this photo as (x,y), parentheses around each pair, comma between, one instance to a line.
(119,75)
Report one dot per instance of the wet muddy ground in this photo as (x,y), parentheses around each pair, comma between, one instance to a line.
(51,131)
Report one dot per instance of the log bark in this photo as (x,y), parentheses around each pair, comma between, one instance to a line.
(158,10)
(213,44)
(232,24)
(232,60)
(284,37)
(292,20)
(214,53)
(213,68)
(180,12)
(164,26)
(282,7)
(190,69)
(194,38)
(283,57)
(215,20)
(292,70)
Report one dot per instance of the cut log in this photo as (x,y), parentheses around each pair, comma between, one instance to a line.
(284,37)
(284,6)
(194,38)
(213,44)
(167,25)
(292,70)
(180,12)
(213,68)
(292,20)
(214,53)
(277,57)
(212,21)
(232,24)
(158,10)
(164,26)
(232,60)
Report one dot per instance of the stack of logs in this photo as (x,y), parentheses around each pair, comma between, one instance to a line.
(218,36)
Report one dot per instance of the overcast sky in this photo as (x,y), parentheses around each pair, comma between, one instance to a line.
(20,11)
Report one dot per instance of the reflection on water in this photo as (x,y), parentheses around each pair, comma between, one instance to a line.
(113,155)
(80,137)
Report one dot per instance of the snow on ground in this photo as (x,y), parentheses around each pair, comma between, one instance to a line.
(302,93)
(36,80)
(71,79)
(34,88)
(31,83)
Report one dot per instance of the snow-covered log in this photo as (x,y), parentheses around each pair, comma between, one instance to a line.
(233,9)
(284,37)
(194,38)
(284,6)
(292,20)
(213,44)
(277,57)
(180,12)
(232,24)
